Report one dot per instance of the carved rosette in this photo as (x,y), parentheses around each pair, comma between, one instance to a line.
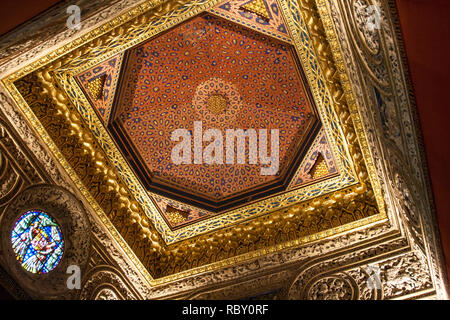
(70,215)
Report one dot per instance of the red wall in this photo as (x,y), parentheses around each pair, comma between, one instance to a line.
(426,31)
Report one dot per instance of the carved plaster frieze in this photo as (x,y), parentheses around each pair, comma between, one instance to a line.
(106,283)
(272,264)
(402,276)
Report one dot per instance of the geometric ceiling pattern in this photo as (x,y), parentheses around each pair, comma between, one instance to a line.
(168,83)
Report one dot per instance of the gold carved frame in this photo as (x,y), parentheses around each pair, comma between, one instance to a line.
(52,102)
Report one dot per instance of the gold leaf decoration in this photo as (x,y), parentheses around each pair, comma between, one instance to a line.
(95,87)
(257,7)
(217,104)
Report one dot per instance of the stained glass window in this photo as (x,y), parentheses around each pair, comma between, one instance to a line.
(37,242)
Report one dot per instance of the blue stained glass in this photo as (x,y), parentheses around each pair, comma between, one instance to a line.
(37,242)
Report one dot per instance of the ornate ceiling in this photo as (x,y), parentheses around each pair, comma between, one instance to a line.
(262,85)
(168,83)
(106,104)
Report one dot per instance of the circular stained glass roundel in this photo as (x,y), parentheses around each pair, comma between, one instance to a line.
(37,242)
